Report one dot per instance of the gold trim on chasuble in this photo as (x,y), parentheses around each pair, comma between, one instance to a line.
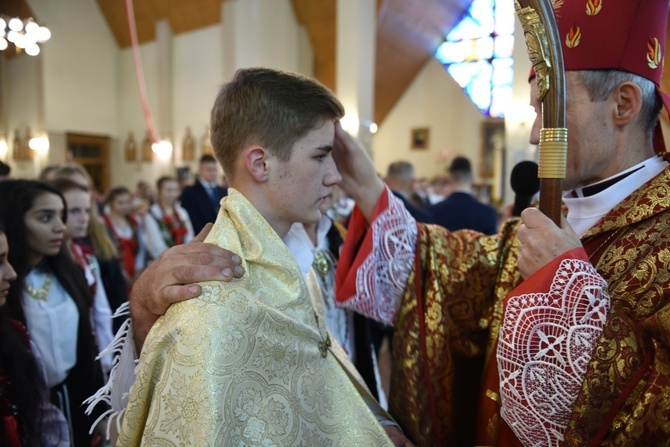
(446,330)
(625,392)
(241,364)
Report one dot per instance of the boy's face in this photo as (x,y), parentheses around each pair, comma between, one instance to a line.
(300,185)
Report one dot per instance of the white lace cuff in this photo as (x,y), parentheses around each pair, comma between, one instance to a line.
(382,277)
(545,345)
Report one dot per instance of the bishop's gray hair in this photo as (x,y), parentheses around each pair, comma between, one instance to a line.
(601,83)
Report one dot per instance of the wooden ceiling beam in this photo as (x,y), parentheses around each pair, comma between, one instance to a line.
(319,19)
(183,16)
(408,33)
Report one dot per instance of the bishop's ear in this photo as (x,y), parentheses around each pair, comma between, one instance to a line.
(256,161)
(628,100)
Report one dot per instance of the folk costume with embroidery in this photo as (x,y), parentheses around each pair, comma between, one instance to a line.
(132,252)
(247,362)
(163,230)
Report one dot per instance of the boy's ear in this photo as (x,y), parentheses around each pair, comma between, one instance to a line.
(256,160)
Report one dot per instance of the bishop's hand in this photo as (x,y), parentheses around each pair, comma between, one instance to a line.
(541,241)
(359,178)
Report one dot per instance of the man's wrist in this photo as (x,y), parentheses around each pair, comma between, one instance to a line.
(367,196)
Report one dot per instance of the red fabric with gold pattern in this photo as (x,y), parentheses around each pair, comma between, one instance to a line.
(621,35)
(617,35)
(443,330)
(624,396)
(463,280)
(626,35)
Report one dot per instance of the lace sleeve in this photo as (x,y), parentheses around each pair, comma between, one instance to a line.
(383,262)
(546,343)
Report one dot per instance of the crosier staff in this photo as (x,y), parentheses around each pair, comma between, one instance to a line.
(544,51)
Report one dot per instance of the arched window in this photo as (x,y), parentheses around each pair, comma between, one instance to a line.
(477,53)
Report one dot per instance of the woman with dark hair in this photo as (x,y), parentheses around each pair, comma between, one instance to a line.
(50,298)
(26,416)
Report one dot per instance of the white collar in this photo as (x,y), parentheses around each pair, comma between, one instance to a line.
(585,212)
(207,185)
(301,245)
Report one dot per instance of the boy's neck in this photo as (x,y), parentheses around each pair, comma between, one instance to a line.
(255,194)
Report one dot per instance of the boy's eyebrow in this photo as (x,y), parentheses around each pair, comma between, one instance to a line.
(326,148)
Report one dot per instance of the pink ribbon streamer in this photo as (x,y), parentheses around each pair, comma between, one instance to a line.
(139,73)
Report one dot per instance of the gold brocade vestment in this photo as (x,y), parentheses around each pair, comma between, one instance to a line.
(448,323)
(242,364)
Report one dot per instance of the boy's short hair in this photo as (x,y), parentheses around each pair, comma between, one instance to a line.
(207,159)
(270,108)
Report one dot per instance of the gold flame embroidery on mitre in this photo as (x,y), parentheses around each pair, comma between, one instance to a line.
(573,37)
(653,53)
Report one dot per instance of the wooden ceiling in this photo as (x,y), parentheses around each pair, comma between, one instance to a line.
(183,16)
(408,32)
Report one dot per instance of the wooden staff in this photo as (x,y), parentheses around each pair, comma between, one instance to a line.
(544,50)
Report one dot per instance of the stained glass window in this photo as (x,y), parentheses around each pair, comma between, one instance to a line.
(477,53)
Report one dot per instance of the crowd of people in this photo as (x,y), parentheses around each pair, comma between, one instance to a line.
(258,329)
(69,261)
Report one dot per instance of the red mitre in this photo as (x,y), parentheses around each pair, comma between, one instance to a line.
(626,35)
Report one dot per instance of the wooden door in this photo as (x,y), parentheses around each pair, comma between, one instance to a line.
(92,152)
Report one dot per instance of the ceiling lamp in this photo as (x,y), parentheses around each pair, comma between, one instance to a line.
(24,34)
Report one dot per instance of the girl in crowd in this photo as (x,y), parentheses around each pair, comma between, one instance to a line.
(51,298)
(26,416)
(98,240)
(78,202)
(167,223)
(125,231)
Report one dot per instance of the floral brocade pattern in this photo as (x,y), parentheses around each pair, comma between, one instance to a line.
(625,397)
(442,334)
(451,313)
(240,365)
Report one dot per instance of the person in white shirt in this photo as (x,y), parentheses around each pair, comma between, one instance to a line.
(78,201)
(166,224)
(50,298)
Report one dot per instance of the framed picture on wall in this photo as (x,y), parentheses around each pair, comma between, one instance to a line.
(420,137)
(493,139)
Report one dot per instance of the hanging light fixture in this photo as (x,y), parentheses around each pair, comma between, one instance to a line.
(23,34)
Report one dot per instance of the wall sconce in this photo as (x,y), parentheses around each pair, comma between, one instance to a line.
(4,147)
(163,149)
(371,126)
(39,144)
(24,34)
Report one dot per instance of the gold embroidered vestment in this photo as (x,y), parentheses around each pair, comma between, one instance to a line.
(241,364)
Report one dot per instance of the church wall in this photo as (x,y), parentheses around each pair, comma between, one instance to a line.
(82,82)
(435,101)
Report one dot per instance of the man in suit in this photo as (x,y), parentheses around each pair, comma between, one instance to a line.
(202,199)
(460,210)
(400,178)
